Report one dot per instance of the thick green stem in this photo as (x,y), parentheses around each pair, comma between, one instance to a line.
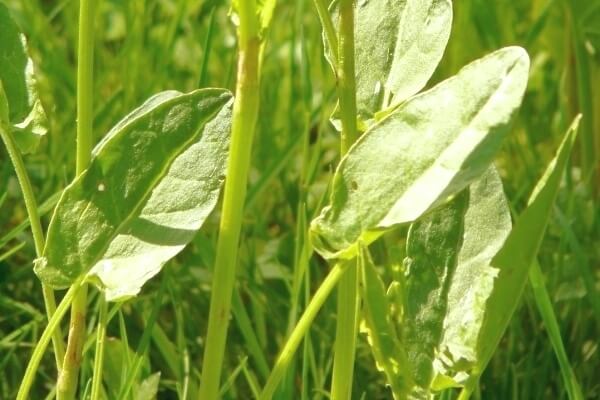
(303,325)
(67,381)
(345,334)
(347,307)
(37,232)
(245,114)
(346,75)
(85,84)
(40,347)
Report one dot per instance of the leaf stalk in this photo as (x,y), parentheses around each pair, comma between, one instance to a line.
(36,230)
(301,328)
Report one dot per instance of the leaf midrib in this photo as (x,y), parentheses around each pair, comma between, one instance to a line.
(472,118)
(84,269)
(144,199)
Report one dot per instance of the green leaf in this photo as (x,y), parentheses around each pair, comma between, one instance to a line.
(396,56)
(266,9)
(430,148)
(449,278)
(151,183)
(432,254)
(399,44)
(148,388)
(486,225)
(26,114)
(519,251)
(546,310)
(118,355)
(383,339)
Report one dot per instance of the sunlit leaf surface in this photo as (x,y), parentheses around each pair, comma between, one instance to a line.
(151,184)
(427,150)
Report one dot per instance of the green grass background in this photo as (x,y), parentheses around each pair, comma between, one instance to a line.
(145,46)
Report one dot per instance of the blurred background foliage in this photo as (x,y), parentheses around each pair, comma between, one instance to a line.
(145,46)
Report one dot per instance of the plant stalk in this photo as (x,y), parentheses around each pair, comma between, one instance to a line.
(291,345)
(67,381)
(347,307)
(37,232)
(40,347)
(346,75)
(99,357)
(346,332)
(245,114)
(85,84)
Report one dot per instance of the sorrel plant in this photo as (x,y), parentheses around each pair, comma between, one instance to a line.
(416,176)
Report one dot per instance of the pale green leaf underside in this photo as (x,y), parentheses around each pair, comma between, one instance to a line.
(449,279)
(519,251)
(428,149)
(151,184)
(399,44)
(26,115)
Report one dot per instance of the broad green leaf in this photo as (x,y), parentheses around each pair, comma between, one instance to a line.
(428,149)
(519,251)
(383,339)
(26,115)
(449,278)
(486,225)
(399,44)
(151,183)
(432,254)
(396,56)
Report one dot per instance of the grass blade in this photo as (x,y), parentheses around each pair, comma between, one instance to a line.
(519,252)
(544,304)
